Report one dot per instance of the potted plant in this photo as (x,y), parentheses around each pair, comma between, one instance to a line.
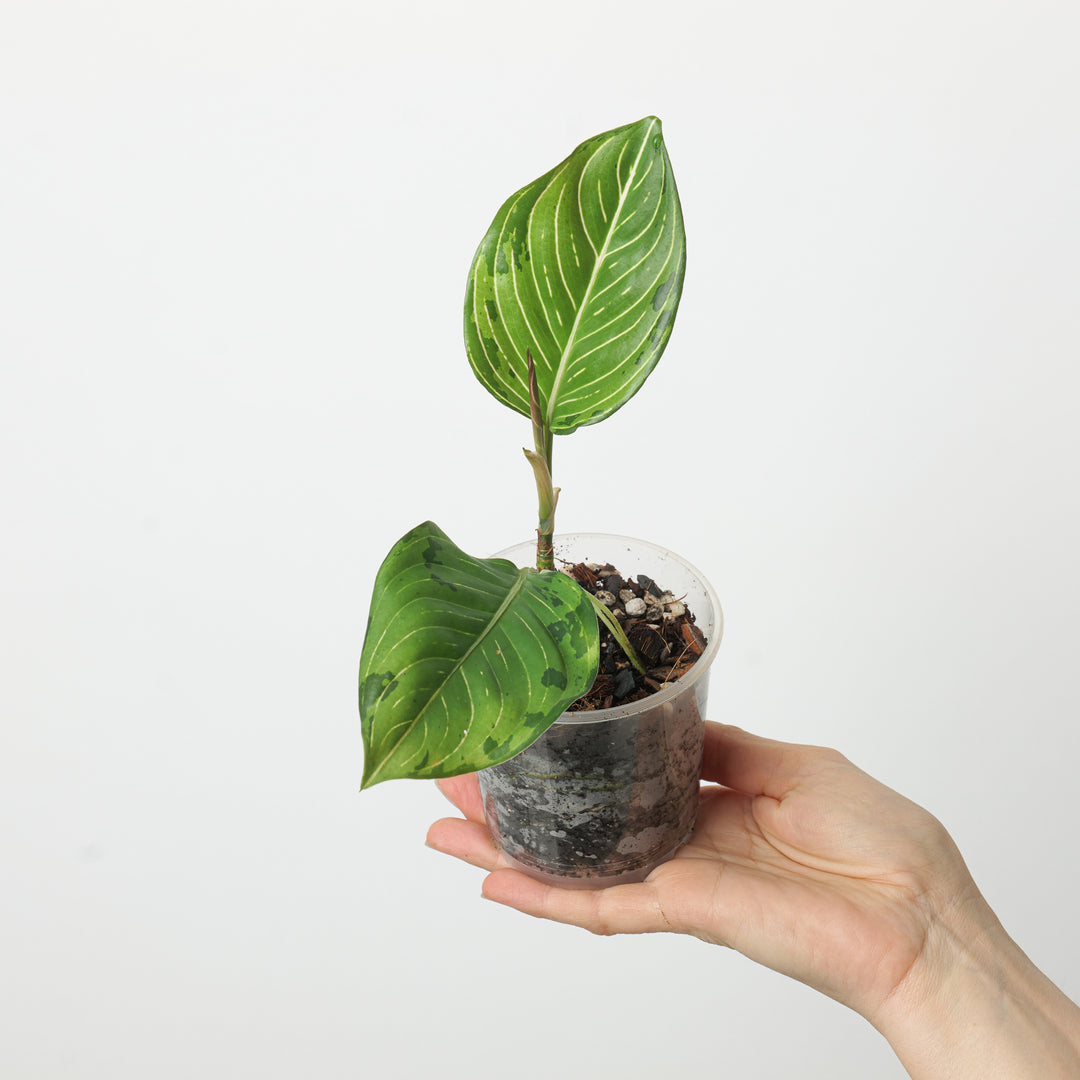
(474,664)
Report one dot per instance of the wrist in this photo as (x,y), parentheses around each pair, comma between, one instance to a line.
(974,1005)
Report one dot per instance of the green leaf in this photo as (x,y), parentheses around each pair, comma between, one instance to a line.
(466,661)
(584,267)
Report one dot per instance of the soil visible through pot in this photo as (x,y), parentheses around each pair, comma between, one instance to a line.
(603,802)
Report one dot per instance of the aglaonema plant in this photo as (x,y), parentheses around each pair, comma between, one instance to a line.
(569,305)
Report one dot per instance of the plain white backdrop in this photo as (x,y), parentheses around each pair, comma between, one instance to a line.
(233,246)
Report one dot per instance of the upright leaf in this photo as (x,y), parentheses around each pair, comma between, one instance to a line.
(466,661)
(584,267)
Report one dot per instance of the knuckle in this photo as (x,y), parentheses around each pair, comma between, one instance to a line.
(603,923)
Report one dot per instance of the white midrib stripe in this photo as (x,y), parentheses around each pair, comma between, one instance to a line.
(601,255)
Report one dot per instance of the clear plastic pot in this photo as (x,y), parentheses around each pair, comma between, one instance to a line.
(604,797)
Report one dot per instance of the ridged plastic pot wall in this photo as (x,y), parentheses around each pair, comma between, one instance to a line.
(604,797)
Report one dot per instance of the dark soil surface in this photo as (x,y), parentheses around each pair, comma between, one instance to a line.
(658,625)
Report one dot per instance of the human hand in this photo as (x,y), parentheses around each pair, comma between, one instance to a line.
(799,860)
(806,864)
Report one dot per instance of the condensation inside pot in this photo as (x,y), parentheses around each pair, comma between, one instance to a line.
(603,799)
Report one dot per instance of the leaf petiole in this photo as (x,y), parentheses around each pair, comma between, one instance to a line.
(540,460)
(617,631)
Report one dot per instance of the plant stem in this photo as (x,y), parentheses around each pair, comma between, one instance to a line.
(548,498)
(540,460)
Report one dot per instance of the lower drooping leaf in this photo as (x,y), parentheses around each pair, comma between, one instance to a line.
(466,661)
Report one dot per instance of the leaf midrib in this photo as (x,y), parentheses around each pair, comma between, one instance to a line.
(601,255)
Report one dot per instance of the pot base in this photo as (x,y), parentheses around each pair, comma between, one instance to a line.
(563,881)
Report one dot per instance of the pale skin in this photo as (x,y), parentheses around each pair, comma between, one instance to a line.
(804,863)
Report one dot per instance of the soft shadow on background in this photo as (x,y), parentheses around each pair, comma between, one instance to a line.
(233,247)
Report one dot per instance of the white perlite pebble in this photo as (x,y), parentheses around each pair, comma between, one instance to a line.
(635,607)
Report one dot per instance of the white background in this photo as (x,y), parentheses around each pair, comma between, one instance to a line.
(233,246)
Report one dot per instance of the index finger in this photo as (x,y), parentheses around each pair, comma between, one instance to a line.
(464,792)
(752,764)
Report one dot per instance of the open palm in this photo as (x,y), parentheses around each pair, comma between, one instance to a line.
(799,860)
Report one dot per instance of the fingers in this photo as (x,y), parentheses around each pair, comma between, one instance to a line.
(621,909)
(757,766)
(464,793)
(624,909)
(466,840)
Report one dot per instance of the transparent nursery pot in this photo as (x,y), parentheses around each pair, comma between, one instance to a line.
(604,797)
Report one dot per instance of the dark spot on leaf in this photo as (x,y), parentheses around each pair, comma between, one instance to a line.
(492,310)
(553,677)
(431,552)
(518,247)
(374,687)
(491,350)
(661,328)
(496,746)
(442,581)
(660,297)
(578,642)
(558,629)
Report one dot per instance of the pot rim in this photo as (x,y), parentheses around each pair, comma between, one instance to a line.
(673,690)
